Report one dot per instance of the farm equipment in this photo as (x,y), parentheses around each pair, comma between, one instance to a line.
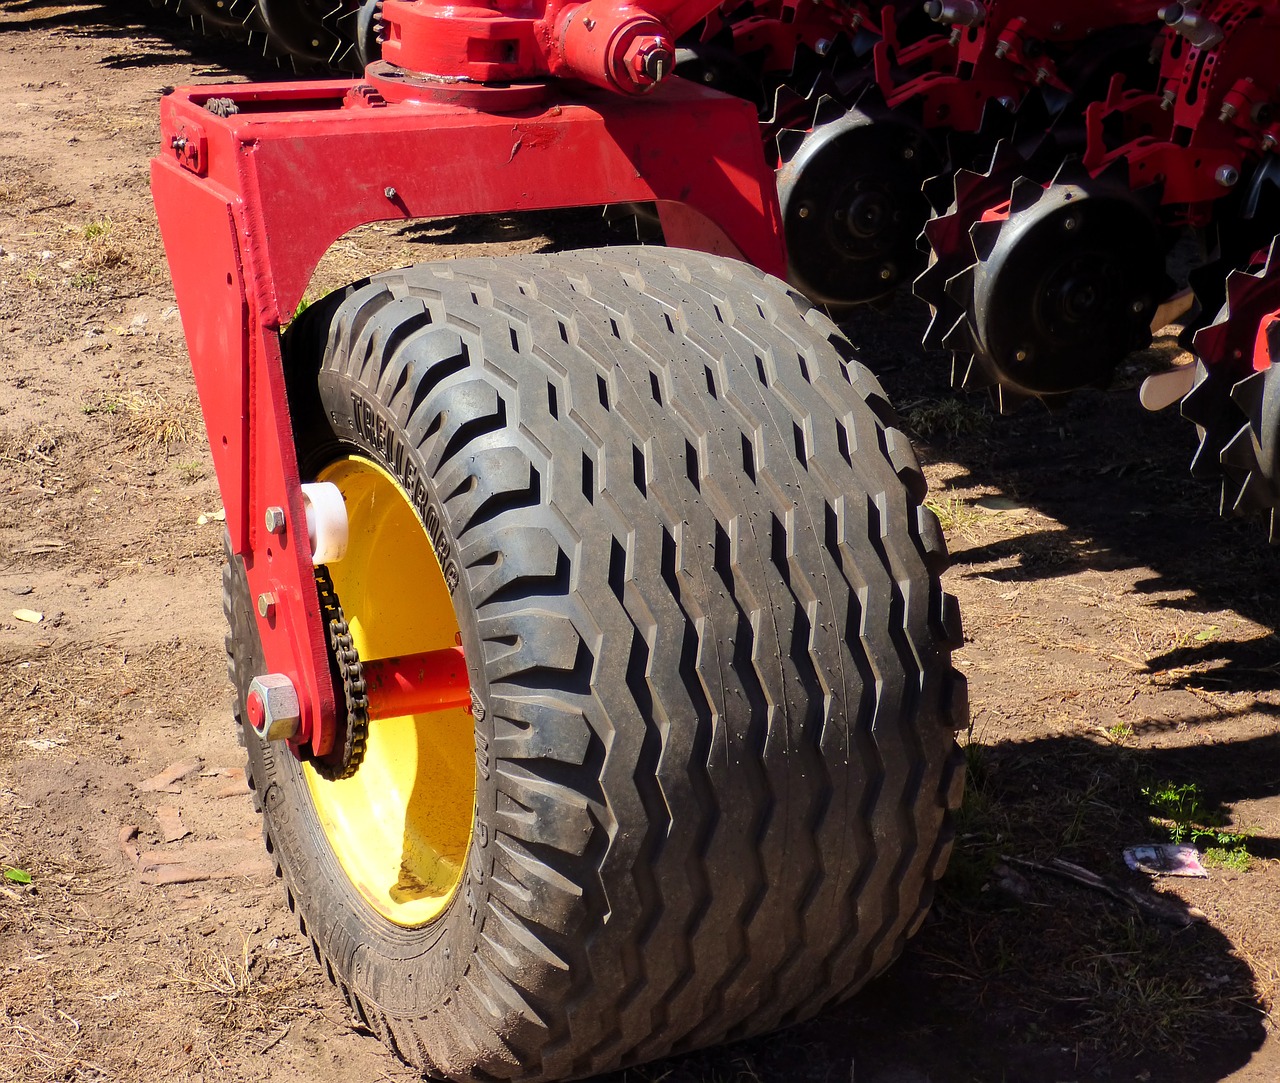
(585,618)
(1050,265)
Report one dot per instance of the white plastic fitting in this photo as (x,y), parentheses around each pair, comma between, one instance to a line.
(327,528)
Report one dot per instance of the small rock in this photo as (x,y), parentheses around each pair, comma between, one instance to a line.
(21,592)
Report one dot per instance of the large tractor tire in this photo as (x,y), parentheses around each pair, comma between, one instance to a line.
(708,780)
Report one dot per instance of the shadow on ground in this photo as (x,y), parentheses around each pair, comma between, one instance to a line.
(1021,976)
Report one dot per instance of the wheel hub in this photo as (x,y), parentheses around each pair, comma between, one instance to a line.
(400,826)
(1063,288)
(852,207)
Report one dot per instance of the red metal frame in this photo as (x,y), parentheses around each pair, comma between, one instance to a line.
(248,204)
(1216,109)
(953,76)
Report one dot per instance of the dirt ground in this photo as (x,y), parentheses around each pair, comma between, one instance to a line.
(1122,657)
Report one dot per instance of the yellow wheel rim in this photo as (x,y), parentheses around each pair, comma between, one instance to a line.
(401,825)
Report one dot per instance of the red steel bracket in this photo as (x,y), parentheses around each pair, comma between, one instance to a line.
(248,203)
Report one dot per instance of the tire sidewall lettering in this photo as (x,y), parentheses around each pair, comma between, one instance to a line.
(380,436)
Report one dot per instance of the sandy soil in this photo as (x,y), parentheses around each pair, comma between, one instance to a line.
(1121,645)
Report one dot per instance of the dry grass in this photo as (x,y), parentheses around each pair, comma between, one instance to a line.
(106,245)
(77,691)
(147,421)
(240,992)
(946,419)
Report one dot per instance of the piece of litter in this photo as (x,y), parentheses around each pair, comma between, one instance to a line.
(166,779)
(205,518)
(127,847)
(1165,859)
(44,744)
(233,789)
(997,503)
(30,616)
(171,825)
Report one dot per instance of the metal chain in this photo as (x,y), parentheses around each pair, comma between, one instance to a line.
(346,662)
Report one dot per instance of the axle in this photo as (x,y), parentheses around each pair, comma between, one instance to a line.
(417,684)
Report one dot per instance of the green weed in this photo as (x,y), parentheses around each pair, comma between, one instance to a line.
(953,513)
(951,418)
(1179,808)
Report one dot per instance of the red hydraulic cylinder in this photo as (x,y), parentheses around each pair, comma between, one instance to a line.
(417,683)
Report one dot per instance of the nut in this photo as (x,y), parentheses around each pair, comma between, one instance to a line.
(648,59)
(274,701)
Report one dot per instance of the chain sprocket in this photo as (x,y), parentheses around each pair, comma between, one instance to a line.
(344,662)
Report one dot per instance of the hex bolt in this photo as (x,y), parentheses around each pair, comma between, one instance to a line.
(1227,176)
(803,212)
(1226,112)
(886,272)
(1002,49)
(1137,307)
(266,605)
(1070,223)
(822,46)
(275,520)
(391,193)
(277,699)
(1021,355)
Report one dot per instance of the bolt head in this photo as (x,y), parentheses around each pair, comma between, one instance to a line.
(1227,176)
(275,520)
(255,709)
(391,193)
(281,711)
(266,605)
(822,46)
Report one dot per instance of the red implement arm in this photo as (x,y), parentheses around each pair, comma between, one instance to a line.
(249,202)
